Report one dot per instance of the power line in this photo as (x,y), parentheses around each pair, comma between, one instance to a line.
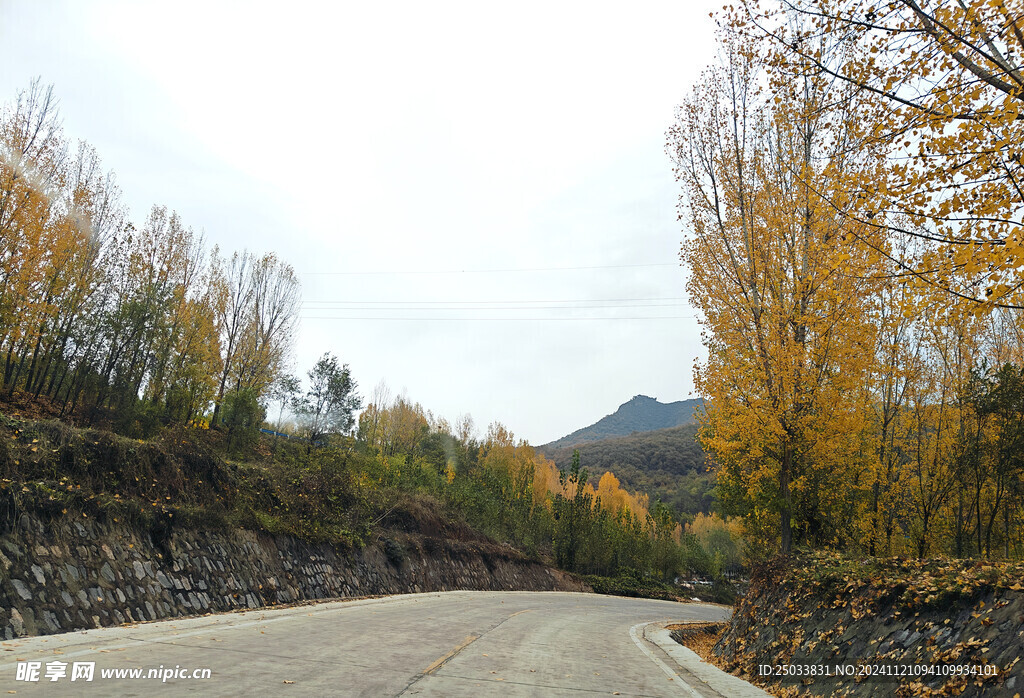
(562,300)
(499,319)
(510,307)
(482,271)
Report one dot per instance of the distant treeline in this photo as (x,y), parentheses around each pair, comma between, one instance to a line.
(588,523)
(101,314)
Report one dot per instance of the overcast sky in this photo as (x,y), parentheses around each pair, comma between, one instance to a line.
(475,196)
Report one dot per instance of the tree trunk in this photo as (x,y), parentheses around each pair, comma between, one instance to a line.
(922,544)
(785,522)
(874,519)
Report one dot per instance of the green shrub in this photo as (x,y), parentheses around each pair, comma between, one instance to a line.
(242,415)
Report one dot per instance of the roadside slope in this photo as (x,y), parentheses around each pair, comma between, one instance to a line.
(931,616)
(98,530)
(86,574)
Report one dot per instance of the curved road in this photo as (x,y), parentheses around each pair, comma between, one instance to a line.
(439,644)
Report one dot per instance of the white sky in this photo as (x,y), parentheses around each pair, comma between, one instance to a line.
(430,144)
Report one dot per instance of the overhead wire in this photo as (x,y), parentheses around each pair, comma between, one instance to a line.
(482,271)
(320,306)
(508,307)
(496,302)
(499,319)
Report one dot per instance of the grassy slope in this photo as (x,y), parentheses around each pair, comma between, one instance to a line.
(183,479)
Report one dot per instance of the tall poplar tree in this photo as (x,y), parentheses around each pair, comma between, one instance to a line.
(774,269)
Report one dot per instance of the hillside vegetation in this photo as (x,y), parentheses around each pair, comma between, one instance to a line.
(401,472)
(180,479)
(640,414)
(667,465)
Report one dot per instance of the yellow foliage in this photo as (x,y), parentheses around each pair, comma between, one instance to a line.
(705,526)
(395,428)
(942,101)
(781,280)
(616,499)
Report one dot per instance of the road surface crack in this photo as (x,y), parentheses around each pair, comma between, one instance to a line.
(451,654)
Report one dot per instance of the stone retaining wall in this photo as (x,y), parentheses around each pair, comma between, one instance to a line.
(85,574)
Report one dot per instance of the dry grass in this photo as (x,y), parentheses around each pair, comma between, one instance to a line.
(702,637)
(699,637)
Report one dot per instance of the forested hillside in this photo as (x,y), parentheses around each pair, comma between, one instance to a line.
(640,414)
(667,465)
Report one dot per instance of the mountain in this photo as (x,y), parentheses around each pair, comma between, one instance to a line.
(640,414)
(667,464)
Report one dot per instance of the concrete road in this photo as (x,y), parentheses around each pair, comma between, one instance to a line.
(440,644)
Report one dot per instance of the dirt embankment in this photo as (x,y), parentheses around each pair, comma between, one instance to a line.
(833,626)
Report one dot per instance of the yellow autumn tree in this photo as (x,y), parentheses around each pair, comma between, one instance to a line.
(98,312)
(781,285)
(721,539)
(511,460)
(617,500)
(942,92)
(895,309)
(33,171)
